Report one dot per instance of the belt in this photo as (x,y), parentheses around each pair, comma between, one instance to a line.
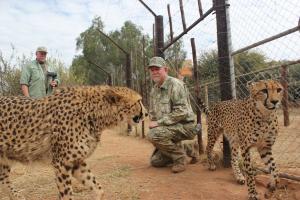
(187,122)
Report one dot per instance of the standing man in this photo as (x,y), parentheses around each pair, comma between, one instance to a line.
(171,117)
(35,80)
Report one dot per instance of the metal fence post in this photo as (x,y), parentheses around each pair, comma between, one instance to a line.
(159,36)
(285,106)
(197,94)
(225,70)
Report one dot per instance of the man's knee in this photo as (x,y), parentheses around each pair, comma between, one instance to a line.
(155,134)
(150,135)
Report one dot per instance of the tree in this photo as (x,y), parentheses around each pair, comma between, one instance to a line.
(245,62)
(208,68)
(103,52)
(175,55)
(249,61)
(130,39)
(208,64)
(94,48)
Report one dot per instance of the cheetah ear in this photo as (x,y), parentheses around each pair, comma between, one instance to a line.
(111,96)
(251,86)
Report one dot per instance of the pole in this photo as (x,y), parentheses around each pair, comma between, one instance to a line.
(208,12)
(197,94)
(145,97)
(200,8)
(224,65)
(285,106)
(170,22)
(128,82)
(182,15)
(159,36)
(148,8)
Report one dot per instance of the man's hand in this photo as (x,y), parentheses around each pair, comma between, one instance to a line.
(53,84)
(25,90)
(153,124)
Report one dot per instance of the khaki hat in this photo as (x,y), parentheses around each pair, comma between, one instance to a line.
(157,62)
(41,49)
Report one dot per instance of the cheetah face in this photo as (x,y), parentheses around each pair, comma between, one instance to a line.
(138,113)
(267,93)
(129,101)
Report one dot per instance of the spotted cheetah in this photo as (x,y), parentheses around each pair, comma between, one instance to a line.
(248,123)
(64,128)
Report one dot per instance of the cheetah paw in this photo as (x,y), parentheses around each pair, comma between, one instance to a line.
(253,198)
(241,181)
(268,194)
(212,168)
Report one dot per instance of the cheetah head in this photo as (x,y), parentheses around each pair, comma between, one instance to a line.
(130,102)
(267,93)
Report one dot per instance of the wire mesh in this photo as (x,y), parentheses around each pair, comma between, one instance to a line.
(253,21)
(287,143)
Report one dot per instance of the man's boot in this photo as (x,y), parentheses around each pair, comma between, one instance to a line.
(194,160)
(195,154)
(179,165)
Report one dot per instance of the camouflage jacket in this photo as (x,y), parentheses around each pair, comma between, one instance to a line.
(170,103)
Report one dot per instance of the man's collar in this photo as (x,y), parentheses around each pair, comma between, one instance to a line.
(165,83)
(37,62)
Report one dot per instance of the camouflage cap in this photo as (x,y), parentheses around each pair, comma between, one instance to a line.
(157,62)
(42,49)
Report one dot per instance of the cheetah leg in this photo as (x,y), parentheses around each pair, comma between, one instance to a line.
(211,140)
(83,174)
(64,181)
(235,163)
(250,175)
(5,182)
(266,156)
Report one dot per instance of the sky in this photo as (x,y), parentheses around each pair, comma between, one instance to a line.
(56,24)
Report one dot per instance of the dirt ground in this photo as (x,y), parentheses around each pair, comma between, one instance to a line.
(121,164)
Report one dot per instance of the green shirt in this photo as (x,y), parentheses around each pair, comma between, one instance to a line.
(170,103)
(35,77)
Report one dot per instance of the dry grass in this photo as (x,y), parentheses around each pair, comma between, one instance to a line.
(115,167)
(36,181)
(285,150)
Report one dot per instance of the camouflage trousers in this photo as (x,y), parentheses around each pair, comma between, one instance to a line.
(170,145)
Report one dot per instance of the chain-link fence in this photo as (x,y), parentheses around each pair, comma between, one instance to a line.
(266,44)
(288,142)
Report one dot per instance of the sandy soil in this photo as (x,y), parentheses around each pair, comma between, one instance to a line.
(121,164)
